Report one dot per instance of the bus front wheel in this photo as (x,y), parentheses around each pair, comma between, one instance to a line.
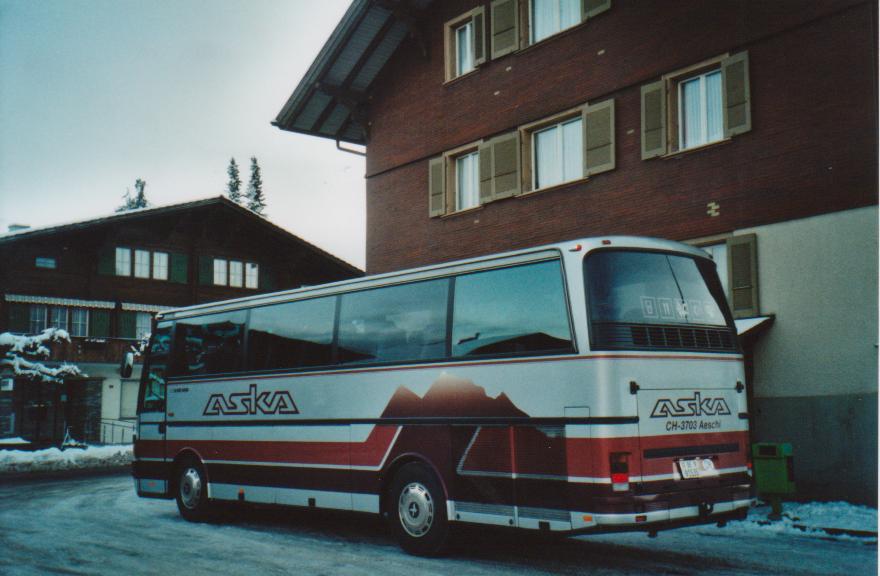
(417,510)
(192,491)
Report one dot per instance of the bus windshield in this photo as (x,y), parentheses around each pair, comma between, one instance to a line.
(653,288)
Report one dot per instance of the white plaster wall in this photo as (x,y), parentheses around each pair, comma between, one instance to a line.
(819,277)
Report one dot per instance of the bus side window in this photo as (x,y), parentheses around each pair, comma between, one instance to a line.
(394,323)
(516,310)
(211,344)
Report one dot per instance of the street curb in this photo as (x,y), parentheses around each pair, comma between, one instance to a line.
(23,477)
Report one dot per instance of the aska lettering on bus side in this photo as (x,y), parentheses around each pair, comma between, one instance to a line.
(250,403)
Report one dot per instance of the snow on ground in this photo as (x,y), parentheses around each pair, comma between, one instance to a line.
(52,459)
(17,440)
(814,516)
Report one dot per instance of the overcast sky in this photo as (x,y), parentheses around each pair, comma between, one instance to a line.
(97,93)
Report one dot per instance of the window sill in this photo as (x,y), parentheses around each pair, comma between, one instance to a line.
(464,212)
(701,147)
(451,81)
(555,187)
(554,36)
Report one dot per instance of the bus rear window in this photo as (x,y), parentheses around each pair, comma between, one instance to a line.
(627,290)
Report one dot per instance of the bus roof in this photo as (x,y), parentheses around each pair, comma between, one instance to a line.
(574,248)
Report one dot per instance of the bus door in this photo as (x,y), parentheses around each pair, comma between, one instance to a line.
(484,476)
(151,424)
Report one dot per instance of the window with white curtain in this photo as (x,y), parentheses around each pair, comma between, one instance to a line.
(79,322)
(141,263)
(464,49)
(143,324)
(236,273)
(58,317)
(700,117)
(220,266)
(160,265)
(557,154)
(251,275)
(123,262)
(38,317)
(552,16)
(467,181)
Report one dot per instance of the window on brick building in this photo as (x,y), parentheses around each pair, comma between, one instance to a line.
(467,181)
(516,24)
(465,44)
(736,259)
(696,106)
(549,17)
(557,154)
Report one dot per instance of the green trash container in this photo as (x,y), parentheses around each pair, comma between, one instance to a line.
(774,472)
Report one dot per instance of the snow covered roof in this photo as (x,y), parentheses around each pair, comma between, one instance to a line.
(139,213)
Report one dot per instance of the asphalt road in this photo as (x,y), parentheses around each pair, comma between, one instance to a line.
(99,526)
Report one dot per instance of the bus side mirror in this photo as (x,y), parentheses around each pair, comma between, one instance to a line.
(127,365)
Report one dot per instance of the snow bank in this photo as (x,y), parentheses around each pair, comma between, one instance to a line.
(13,441)
(52,459)
(811,519)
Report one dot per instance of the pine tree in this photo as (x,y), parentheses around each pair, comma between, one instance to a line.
(233,187)
(256,200)
(138,201)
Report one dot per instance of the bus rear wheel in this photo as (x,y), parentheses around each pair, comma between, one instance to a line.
(417,510)
(192,491)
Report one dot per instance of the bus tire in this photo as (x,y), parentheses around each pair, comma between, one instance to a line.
(191,490)
(417,510)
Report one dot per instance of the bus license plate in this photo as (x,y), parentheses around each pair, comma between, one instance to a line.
(697,468)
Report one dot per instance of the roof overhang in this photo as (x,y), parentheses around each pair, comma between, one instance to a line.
(330,100)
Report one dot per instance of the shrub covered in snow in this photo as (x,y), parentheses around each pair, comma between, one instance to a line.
(21,354)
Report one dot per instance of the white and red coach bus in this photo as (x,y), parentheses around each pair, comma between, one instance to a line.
(586,386)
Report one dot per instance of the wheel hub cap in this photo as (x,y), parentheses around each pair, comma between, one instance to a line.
(416,509)
(190,488)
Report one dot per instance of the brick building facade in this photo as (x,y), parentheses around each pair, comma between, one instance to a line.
(747,127)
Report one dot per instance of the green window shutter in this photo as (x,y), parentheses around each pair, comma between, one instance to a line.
(127,324)
(485,150)
(107,261)
(99,323)
(742,274)
(737,101)
(653,120)
(595,7)
(267,280)
(505,30)
(19,317)
(179,268)
(206,270)
(479,20)
(505,166)
(599,138)
(436,187)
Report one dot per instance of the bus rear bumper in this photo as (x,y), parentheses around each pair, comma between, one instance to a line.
(650,521)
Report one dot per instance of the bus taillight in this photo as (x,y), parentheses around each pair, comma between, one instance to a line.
(620,471)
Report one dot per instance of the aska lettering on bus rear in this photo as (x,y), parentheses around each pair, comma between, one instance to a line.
(250,403)
(687,407)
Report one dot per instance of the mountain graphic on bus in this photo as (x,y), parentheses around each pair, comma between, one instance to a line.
(449,396)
